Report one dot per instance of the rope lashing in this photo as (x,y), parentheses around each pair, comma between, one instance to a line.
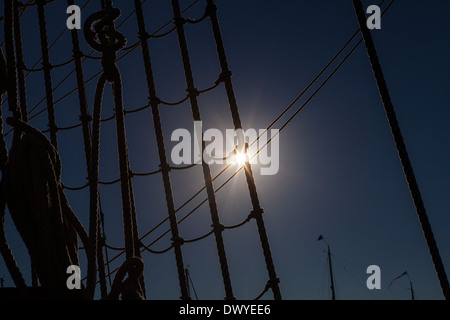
(38,207)
(101,34)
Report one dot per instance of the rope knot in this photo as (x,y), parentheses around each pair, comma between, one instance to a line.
(154,100)
(193,92)
(143,35)
(102,36)
(272,283)
(225,75)
(254,213)
(218,226)
(179,21)
(177,241)
(77,54)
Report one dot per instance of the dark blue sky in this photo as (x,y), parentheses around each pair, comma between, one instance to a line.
(339,175)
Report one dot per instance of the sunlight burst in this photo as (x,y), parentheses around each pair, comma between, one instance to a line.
(240,158)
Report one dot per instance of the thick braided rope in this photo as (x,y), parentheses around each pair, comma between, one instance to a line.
(47,72)
(165,169)
(402,151)
(211,10)
(193,92)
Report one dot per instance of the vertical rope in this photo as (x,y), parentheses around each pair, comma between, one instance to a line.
(101,260)
(94,186)
(102,218)
(11,58)
(21,63)
(402,151)
(137,241)
(165,168)
(123,167)
(86,128)
(47,72)
(211,10)
(84,110)
(257,215)
(4,83)
(193,93)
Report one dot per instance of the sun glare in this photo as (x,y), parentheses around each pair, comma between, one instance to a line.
(239,158)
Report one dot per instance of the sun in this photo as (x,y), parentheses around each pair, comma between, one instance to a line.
(240,158)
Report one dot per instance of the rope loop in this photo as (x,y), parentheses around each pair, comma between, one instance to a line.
(102,36)
(130,287)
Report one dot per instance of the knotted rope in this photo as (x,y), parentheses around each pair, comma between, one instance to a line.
(100,33)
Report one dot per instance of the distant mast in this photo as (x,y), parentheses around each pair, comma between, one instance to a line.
(333,294)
